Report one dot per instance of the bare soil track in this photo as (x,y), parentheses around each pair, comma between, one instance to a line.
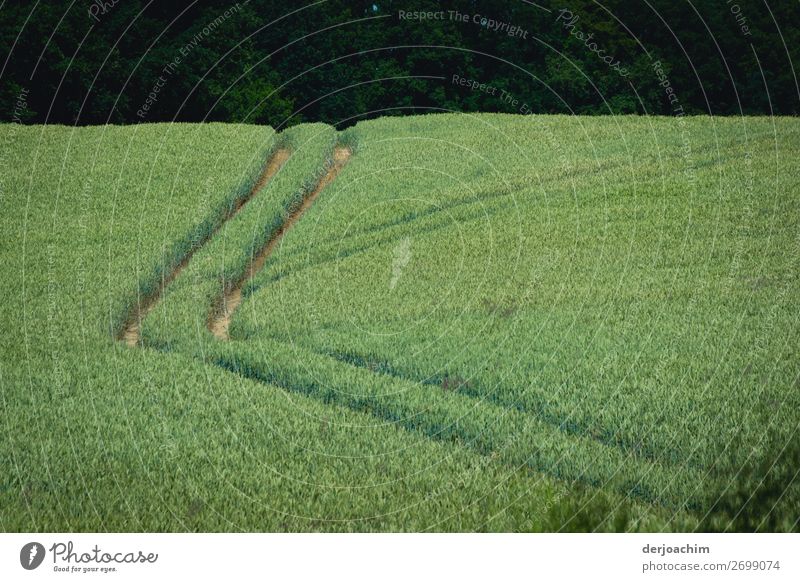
(219,319)
(131,331)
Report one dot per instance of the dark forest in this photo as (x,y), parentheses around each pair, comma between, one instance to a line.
(129,61)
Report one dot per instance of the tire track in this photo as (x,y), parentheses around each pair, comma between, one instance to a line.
(131,331)
(219,320)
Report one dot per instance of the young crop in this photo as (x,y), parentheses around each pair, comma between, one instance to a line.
(608,281)
(483,322)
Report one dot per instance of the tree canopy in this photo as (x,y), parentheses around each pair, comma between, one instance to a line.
(338,61)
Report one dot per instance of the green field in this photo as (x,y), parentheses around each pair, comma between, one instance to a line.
(482,322)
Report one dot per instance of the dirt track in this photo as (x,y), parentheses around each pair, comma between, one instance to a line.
(219,319)
(131,331)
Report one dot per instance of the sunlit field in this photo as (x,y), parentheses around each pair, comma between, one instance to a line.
(448,322)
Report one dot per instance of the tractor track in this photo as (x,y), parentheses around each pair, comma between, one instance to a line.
(219,319)
(131,330)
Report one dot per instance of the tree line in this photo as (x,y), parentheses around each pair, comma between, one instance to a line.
(281,63)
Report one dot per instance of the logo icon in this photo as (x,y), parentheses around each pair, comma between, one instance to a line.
(31,555)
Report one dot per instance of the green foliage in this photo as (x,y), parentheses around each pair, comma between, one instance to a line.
(341,61)
(600,292)
(221,262)
(97,436)
(762,495)
(486,322)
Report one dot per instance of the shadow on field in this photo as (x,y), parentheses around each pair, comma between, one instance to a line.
(764,497)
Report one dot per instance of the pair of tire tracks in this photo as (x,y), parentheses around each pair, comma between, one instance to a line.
(220,317)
